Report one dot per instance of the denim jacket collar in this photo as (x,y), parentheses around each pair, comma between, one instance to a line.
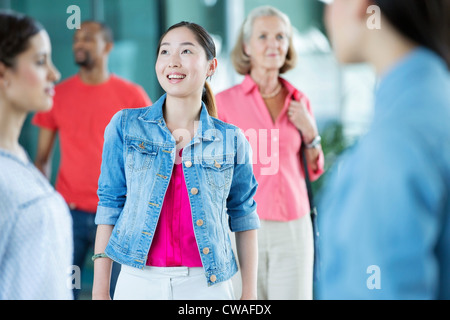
(207,130)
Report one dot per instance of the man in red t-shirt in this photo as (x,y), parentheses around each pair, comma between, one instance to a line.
(83,106)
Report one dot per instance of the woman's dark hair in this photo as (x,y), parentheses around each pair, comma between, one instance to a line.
(207,42)
(426,22)
(15,32)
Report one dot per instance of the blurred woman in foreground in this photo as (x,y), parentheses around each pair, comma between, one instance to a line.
(35,225)
(386,215)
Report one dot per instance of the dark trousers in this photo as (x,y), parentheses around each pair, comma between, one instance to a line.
(84,231)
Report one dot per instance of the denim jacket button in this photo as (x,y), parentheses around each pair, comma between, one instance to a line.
(194,191)
(205,250)
(199,222)
(213,278)
(188,164)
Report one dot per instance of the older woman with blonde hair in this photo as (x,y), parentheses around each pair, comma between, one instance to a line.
(277,119)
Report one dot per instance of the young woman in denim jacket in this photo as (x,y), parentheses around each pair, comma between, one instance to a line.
(167,200)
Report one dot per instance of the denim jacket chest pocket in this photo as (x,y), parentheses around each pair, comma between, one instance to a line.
(140,154)
(218,172)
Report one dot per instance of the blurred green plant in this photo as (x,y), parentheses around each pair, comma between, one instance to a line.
(334,143)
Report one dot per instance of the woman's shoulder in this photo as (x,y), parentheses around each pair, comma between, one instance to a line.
(230,92)
(222,125)
(134,111)
(21,184)
(129,114)
(229,130)
(152,113)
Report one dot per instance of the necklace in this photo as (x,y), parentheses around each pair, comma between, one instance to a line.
(273,94)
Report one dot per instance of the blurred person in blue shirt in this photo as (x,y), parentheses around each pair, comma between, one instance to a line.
(385,216)
(35,224)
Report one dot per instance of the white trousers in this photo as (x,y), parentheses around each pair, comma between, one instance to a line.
(174,283)
(285,260)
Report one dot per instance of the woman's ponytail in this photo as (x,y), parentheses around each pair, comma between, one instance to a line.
(209,100)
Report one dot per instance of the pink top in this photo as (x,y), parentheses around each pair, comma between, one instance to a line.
(174,243)
(281,193)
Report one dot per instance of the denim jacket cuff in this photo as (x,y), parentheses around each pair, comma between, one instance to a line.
(107,216)
(245,223)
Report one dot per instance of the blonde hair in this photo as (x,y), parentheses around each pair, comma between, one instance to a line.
(240,60)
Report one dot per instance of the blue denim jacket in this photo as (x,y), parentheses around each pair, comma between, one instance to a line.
(138,159)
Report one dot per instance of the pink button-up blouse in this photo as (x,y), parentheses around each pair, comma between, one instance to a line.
(174,243)
(281,193)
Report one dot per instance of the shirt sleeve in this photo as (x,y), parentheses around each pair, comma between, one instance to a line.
(443,250)
(240,203)
(112,187)
(142,99)
(45,119)
(19,281)
(8,219)
(380,222)
(320,162)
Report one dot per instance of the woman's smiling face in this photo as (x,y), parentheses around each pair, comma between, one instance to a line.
(182,66)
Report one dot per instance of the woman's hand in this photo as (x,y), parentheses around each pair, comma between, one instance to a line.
(298,114)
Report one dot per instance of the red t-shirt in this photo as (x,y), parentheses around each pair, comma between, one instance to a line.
(80,114)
